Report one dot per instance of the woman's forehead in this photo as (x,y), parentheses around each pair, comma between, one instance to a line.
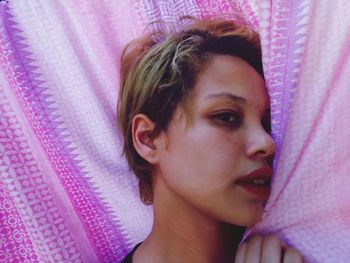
(231,78)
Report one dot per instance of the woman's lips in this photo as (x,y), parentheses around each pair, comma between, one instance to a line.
(257,182)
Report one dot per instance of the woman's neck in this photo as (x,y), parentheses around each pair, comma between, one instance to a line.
(182,234)
(185,245)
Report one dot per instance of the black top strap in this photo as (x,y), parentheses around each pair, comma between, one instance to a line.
(128,258)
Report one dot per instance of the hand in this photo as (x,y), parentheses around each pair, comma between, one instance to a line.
(268,249)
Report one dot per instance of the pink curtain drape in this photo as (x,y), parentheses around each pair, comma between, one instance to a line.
(66,194)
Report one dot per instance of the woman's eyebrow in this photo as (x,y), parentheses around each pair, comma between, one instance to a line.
(227,95)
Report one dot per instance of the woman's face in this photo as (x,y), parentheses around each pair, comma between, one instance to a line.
(214,160)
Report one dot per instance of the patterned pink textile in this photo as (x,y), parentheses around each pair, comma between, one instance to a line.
(66,194)
(306,47)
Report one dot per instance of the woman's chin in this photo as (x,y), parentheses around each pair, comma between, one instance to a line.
(248,219)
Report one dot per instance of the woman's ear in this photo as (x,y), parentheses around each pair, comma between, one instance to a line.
(142,129)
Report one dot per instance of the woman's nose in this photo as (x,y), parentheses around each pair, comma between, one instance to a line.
(260,144)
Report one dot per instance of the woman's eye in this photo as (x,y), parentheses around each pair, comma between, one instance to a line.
(229,118)
(266,122)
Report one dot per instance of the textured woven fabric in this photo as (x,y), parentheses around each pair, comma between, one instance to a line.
(66,194)
(306,47)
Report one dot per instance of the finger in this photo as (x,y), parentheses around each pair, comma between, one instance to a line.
(240,254)
(253,252)
(271,250)
(292,256)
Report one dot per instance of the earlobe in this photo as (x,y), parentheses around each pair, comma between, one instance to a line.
(142,128)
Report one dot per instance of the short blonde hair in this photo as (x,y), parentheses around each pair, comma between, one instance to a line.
(159,70)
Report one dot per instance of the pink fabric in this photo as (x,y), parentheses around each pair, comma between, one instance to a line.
(66,194)
(307,56)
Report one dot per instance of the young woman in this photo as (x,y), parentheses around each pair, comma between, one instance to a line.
(194,112)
